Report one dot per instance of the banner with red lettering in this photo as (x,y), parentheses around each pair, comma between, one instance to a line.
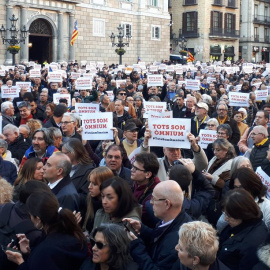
(154,80)
(83,83)
(24,84)
(153,106)
(265,180)
(58,96)
(238,99)
(207,137)
(97,126)
(167,114)
(261,94)
(81,108)
(193,84)
(9,92)
(169,132)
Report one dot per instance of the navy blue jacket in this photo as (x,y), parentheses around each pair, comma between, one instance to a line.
(8,170)
(153,253)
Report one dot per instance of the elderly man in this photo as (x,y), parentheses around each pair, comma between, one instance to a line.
(258,154)
(68,126)
(122,95)
(104,103)
(17,144)
(53,89)
(121,113)
(57,137)
(43,100)
(7,110)
(17,100)
(42,146)
(155,248)
(114,159)
(201,117)
(56,172)
(246,143)
(190,104)
(222,111)
(25,113)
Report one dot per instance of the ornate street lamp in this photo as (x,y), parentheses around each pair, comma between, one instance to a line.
(13,41)
(120,51)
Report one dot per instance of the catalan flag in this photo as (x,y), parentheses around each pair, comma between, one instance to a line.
(190,57)
(74,34)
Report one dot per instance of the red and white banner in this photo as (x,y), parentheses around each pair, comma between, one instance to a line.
(34,73)
(238,99)
(154,80)
(261,94)
(83,83)
(58,96)
(153,106)
(81,108)
(9,92)
(193,84)
(24,84)
(207,137)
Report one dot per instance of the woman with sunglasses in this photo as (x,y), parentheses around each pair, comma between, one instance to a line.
(110,249)
(64,244)
(118,202)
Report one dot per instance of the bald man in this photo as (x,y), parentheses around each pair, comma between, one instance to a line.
(167,200)
(56,172)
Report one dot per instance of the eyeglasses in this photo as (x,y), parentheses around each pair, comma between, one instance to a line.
(222,110)
(222,133)
(66,122)
(211,125)
(254,134)
(122,94)
(98,244)
(115,157)
(153,199)
(136,169)
(132,131)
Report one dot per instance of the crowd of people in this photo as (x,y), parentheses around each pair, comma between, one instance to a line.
(71,203)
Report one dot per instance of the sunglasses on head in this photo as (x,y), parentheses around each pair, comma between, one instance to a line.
(98,244)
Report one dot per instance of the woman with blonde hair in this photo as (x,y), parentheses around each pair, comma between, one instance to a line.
(197,247)
(95,178)
(33,124)
(6,191)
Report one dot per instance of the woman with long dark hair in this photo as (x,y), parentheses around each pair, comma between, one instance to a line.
(64,246)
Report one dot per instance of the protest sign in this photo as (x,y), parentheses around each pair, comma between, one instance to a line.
(170,68)
(75,75)
(261,94)
(9,92)
(152,114)
(132,155)
(55,76)
(86,108)
(83,83)
(153,106)
(2,72)
(24,84)
(37,66)
(238,87)
(58,96)
(178,70)
(53,66)
(169,132)
(153,68)
(193,84)
(238,99)
(97,126)
(247,69)
(154,80)
(207,137)
(118,82)
(110,95)
(34,73)
(265,180)
(1,119)
(180,83)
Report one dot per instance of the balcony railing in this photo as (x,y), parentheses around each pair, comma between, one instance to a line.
(266,39)
(225,33)
(260,19)
(256,38)
(189,2)
(189,34)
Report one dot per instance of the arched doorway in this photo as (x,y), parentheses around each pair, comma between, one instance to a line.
(40,41)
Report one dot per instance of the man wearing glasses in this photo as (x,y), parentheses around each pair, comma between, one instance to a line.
(260,139)
(68,126)
(122,94)
(167,199)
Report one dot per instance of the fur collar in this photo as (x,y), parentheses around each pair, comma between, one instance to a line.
(264,254)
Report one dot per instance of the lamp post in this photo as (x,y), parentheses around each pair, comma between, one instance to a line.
(120,45)
(182,42)
(13,40)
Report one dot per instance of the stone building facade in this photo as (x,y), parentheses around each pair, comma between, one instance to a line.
(255,30)
(211,28)
(51,23)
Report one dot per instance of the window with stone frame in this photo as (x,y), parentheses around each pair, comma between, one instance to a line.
(127,29)
(98,27)
(153,3)
(216,21)
(190,22)
(155,32)
(229,22)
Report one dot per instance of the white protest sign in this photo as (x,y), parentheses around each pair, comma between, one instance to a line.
(154,80)
(97,126)
(247,69)
(261,94)
(238,87)
(53,67)
(35,73)
(193,84)
(118,82)
(55,76)
(265,180)
(86,108)
(2,72)
(180,83)
(9,92)
(152,114)
(207,137)
(83,83)
(153,68)
(170,68)
(161,66)
(132,155)
(153,106)
(169,132)
(58,96)
(24,84)
(75,75)
(1,123)
(37,66)
(211,79)
(178,70)
(238,99)
(110,95)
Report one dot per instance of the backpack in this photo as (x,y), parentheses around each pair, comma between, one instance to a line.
(8,233)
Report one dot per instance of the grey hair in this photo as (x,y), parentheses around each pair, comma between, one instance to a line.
(56,132)
(226,107)
(45,90)
(26,127)
(214,120)
(262,130)
(227,128)
(3,144)
(11,127)
(237,161)
(25,104)
(72,116)
(46,135)
(5,106)
(64,163)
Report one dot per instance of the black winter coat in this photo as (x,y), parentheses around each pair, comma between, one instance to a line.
(18,147)
(258,154)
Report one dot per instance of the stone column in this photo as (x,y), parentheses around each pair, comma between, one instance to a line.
(71,28)
(24,46)
(60,43)
(9,11)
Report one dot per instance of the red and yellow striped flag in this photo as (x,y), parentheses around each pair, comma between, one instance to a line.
(190,57)
(74,34)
